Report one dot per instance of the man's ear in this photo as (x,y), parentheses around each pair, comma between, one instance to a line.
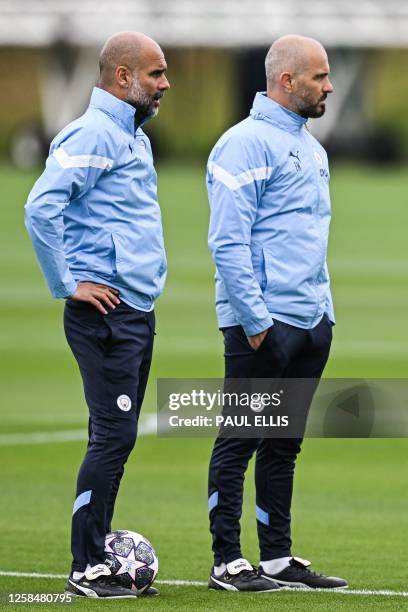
(123,76)
(286,82)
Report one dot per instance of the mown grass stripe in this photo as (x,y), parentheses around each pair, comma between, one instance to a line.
(148,426)
(373,592)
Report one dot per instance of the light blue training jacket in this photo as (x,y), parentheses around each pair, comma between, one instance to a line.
(93,214)
(268,187)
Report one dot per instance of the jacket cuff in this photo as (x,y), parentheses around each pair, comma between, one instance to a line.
(257,326)
(65,290)
(329,309)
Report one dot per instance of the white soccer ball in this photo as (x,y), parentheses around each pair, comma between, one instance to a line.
(132,559)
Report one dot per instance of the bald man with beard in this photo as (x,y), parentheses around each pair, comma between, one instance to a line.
(95,223)
(268,187)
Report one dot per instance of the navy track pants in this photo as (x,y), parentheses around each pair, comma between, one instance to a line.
(114,353)
(287,352)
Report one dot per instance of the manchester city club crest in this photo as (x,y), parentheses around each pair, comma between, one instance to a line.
(124,403)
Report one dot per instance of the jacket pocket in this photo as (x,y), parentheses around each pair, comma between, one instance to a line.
(269,274)
(258,265)
(138,267)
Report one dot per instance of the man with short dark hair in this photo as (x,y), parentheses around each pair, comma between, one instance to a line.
(268,186)
(95,223)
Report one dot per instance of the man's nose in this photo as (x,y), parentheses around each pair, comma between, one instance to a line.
(328,88)
(164,84)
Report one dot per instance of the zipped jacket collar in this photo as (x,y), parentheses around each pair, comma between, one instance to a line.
(269,110)
(121,112)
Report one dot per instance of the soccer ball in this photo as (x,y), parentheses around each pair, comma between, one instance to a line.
(132,559)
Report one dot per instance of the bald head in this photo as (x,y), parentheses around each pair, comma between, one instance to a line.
(124,49)
(297,75)
(291,54)
(133,68)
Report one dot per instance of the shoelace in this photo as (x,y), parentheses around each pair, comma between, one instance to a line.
(245,574)
(103,581)
(302,571)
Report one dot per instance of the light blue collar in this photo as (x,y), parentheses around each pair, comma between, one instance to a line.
(266,108)
(118,109)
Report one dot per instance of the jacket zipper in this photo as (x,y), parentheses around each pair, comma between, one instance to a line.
(315,215)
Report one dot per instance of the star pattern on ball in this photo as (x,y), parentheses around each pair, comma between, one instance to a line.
(131,558)
(129,565)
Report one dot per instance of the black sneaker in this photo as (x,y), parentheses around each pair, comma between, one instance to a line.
(98,582)
(241,576)
(150,592)
(298,575)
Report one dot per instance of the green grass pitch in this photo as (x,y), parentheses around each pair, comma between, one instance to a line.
(350,501)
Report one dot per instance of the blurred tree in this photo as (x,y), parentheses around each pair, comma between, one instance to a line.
(387,92)
(19,92)
(200,104)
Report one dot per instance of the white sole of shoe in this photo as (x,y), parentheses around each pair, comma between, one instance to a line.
(301,585)
(95,596)
(84,592)
(231,588)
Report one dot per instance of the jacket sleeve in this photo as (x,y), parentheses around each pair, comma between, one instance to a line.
(236,179)
(329,309)
(75,163)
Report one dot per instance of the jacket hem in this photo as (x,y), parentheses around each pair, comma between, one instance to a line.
(133,299)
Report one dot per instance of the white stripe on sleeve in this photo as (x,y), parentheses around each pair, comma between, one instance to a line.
(237,181)
(82,161)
